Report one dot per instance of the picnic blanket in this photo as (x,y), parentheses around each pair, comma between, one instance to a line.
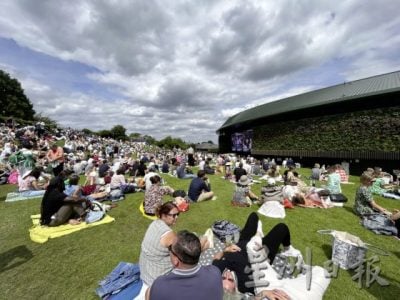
(141,209)
(41,234)
(12,197)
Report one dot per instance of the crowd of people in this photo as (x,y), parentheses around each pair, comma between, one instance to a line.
(169,261)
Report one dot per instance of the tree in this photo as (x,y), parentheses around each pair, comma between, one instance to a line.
(150,140)
(13,101)
(118,132)
(50,123)
(135,135)
(87,131)
(169,143)
(105,133)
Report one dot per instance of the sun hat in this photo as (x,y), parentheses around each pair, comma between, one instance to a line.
(244,180)
(271,182)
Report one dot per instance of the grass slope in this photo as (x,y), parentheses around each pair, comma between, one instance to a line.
(70,267)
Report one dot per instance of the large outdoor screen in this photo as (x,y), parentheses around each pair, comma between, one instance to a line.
(242,141)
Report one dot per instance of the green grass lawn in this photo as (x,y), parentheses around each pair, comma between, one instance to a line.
(70,267)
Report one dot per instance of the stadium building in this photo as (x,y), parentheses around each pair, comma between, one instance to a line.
(356,122)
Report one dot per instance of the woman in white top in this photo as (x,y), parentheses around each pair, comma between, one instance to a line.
(29,185)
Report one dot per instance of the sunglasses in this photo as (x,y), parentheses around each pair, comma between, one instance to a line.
(173,215)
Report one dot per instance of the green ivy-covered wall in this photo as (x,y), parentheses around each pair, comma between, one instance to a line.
(367,130)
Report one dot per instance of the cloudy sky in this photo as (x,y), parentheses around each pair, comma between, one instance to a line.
(180,67)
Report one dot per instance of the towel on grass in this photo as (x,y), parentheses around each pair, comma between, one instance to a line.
(12,197)
(41,234)
(141,209)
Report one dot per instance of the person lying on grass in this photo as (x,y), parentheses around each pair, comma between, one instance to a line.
(75,190)
(310,200)
(235,257)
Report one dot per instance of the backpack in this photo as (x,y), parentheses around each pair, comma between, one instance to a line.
(13,177)
(226,231)
(338,198)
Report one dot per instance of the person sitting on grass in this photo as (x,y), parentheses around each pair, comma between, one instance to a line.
(153,197)
(365,205)
(200,189)
(290,175)
(342,173)
(154,259)
(154,255)
(208,169)
(188,279)
(29,185)
(378,185)
(333,181)
(182,172)
(57,208)
(239,172)
(273,172)
(118,181)
(243,196)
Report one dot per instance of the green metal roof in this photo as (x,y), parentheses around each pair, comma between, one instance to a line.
(380,84)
